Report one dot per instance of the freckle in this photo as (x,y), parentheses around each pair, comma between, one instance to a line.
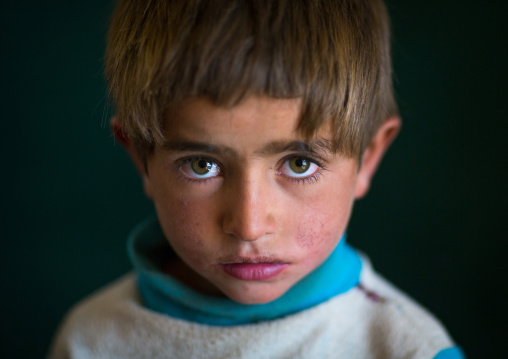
(311,234)
(305,239)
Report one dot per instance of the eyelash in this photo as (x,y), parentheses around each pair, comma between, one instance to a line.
(186,160)
(299,180)
(304,180)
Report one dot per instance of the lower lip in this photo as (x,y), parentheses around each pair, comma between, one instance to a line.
(254,271)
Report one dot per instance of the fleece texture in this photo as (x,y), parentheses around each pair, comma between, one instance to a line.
(371,320)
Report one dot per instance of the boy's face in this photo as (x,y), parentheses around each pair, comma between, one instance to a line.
(248,205)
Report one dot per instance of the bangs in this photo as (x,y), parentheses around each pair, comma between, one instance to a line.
(334,55)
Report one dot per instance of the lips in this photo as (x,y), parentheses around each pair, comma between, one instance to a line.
(253,271)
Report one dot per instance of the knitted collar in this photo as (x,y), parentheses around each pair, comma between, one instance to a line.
(163,294)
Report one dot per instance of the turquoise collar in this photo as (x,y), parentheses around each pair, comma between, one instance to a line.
(163,294)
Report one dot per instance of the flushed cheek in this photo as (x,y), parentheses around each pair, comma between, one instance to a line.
(322,219)
(316,243)
(317,231)
(311,235)
(315,247)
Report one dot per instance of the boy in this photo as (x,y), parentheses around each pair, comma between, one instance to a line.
(254,126)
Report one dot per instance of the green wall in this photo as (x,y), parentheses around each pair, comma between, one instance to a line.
(432,223)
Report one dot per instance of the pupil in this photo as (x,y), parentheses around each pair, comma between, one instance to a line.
(299,162)
(202,164)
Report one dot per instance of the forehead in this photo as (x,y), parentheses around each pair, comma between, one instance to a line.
(255,122)
(201,114)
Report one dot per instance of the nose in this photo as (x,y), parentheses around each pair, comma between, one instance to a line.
(249,213)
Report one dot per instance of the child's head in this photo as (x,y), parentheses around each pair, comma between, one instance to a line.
(246,120)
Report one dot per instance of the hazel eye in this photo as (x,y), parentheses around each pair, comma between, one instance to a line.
(298,167)
(200,168)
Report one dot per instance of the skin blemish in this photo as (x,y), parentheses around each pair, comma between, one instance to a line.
(305,239)
(309,236)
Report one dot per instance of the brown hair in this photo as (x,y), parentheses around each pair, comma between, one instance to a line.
(333,54)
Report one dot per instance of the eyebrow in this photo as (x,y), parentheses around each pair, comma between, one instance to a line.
(317,146)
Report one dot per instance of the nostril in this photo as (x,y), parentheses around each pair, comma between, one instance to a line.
(249,227)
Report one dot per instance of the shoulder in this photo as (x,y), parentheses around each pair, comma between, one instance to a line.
(85,324)
(396,325)
(114,323)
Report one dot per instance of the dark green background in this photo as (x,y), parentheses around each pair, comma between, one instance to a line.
(433,222)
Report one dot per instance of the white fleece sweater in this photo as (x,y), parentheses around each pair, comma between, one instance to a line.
(372,320)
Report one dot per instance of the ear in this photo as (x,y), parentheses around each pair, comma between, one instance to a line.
(121,137)
(374,153)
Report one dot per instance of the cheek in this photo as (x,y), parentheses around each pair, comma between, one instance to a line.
(318,234)
(183,226)
(322,226)
(311,233)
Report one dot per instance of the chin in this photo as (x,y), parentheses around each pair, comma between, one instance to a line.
(252,295)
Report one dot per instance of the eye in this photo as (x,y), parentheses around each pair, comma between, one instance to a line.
(200,168)
(298,167)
